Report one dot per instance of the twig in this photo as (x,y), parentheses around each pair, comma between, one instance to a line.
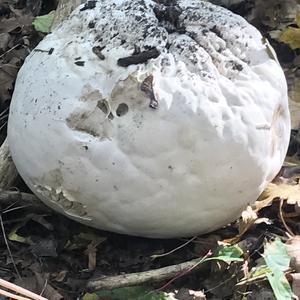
(174,250)
(9,210)
(4,111)
(8,248)
(19,290)
(209,253)
(151,276)
(3,125)
(9,50)
(282,219)
(12,197)
(12,296)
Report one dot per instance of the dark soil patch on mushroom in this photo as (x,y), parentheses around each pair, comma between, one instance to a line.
(138,58)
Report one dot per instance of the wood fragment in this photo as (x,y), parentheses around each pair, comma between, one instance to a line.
(151,276)
(10,197)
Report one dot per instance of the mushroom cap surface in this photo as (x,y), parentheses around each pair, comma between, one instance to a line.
(150,118)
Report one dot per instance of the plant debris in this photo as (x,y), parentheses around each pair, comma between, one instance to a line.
(256,257)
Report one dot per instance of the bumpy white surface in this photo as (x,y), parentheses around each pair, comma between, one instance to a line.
(218,136)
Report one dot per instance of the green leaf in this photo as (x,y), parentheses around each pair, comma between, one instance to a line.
(277,260)
(44,23)
(228,254)
(132,293)
(276,256)
(89,296)
(280,286)
(291,37)
(13,236)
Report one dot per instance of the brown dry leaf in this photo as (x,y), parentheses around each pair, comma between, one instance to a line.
(291,35)
(8,73)
(249,218)
(293,250)
(284,191)
(8,25)
(295,277)
(273,14)
(60,276)
(48,291)
(186,294)
(294,107)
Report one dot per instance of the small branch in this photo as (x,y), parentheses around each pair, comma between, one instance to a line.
(8,248)
(157,275)
(174,250)
(13,197)
(19,290)
(185,271)
(283,220)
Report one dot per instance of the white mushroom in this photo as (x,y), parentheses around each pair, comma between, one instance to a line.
(151,118)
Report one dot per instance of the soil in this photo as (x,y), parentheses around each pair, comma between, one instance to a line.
(46,252)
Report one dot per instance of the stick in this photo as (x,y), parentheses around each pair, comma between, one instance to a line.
(9,197)
(12,296)
(19,290)
(151,276)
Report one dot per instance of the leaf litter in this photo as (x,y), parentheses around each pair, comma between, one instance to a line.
(256,257)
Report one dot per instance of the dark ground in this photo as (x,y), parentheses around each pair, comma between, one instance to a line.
(56,255)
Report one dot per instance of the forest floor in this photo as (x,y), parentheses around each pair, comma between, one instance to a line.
(255,257)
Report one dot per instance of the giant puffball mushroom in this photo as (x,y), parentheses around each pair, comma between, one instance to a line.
(150,118)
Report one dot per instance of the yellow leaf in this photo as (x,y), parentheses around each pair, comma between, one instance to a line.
(284,191)
(291,36)
(13,236)
(89,296)
(298,18)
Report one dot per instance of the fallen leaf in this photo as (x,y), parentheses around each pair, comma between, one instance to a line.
(293,250)
(8,73)
(248,219)
(60,276)
(291,35)
(187,294)
(89,296)
(14,237)
(44,23)
(44,247)
(48,290)
(4,40)
(294,108)
(278,261)
(228,254)
(295,277)
(284,191)
(11,24)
